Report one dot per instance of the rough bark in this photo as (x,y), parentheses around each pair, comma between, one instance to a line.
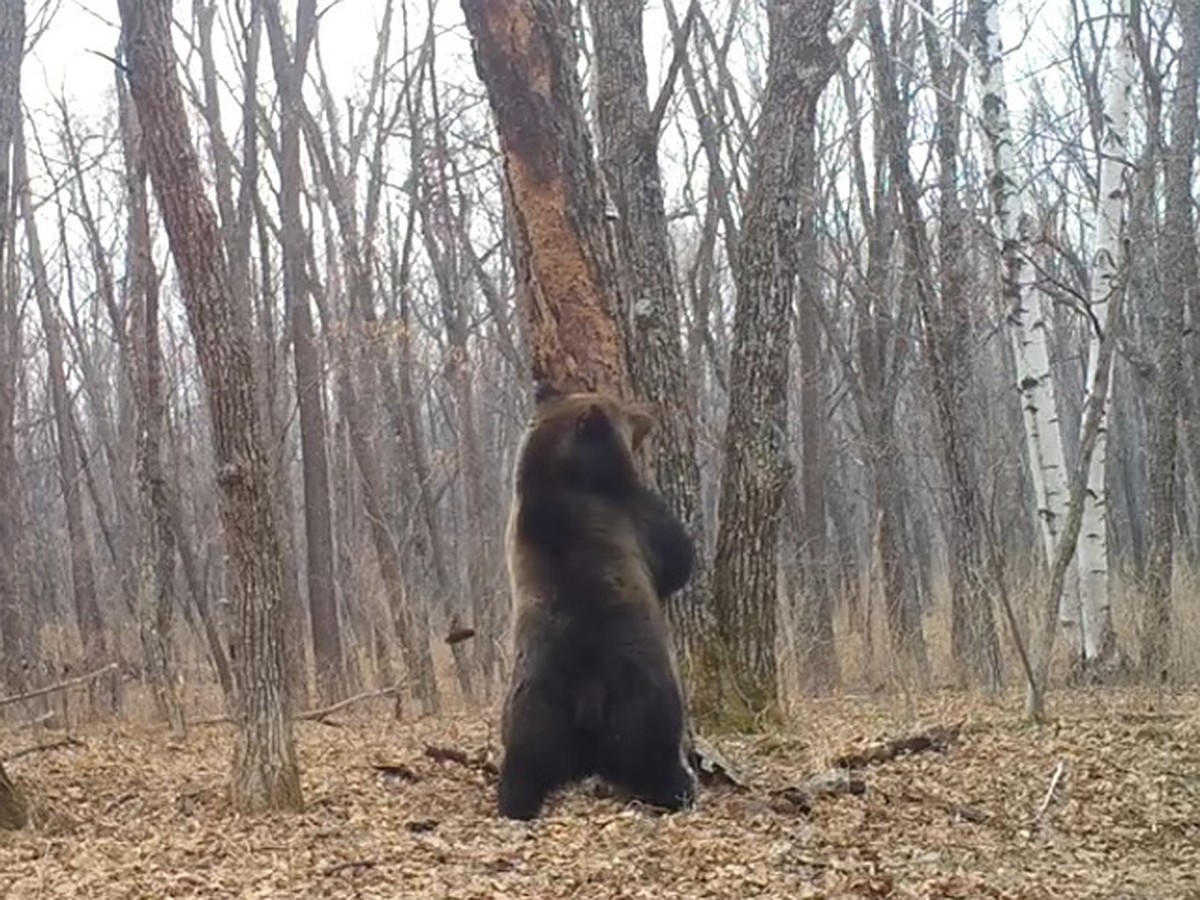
(290,63)
(629,135)
(1180,280)
(265,770)
(755,472)
(564,265)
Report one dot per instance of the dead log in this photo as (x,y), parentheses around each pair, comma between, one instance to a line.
(938,738)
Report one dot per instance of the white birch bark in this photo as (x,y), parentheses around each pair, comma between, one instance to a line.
(1107,263)
(1029,313)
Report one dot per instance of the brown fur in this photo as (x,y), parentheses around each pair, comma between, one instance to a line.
(591,553)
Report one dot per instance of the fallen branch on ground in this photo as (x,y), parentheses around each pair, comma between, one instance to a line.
(319,715)
(61,686)
(41,748)
(1059,771)
(937,738)
(311,715)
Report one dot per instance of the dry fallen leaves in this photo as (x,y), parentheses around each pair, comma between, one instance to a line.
(130,815)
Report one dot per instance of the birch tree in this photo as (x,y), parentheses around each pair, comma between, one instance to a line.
(1027,308)
(1097,641)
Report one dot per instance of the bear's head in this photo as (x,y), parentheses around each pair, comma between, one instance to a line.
(582,441)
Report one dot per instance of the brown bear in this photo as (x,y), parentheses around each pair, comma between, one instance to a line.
(592,552)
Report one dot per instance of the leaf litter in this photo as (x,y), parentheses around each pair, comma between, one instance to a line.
(406,809)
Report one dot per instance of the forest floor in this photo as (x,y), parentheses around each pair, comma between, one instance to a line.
(129,813)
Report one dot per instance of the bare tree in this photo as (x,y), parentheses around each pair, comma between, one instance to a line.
(12,50)
(1180,281)
(290,63)
(265,773)
(629,131)
(157,533)
(83,580)
(801,60)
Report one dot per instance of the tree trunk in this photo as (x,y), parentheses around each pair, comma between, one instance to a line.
(1029,312)
(155,553)
(801,59)
(1097,640)
(564,265)
(265,771)
(629,134)
(1179,277)
(290,64)
(83,578)
(821,670)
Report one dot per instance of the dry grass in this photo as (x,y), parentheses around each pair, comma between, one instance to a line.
(132,815)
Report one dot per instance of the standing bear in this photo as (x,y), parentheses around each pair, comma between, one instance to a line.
(591,552)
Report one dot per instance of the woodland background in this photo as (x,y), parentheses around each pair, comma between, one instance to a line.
(918,313)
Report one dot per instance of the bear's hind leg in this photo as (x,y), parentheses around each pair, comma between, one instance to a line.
(667,785)
(641,753)
(541,754)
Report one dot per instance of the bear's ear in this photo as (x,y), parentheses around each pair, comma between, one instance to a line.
(543,391)
(641,424)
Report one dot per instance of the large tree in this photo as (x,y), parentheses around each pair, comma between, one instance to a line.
(566,275)
(629,135)
(265,772)
(801,60)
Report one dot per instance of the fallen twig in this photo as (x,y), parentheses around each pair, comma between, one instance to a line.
(41,748)
(311,715)
(478,761)
(1059,771)
(318,715)
(61,686)
(937,738)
